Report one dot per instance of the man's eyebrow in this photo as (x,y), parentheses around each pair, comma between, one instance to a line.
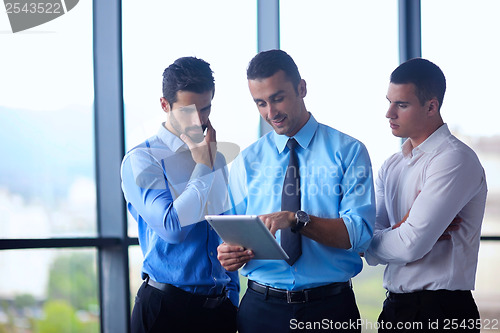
(273,96)
(397,102)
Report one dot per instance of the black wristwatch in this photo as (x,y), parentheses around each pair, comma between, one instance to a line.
(302,220)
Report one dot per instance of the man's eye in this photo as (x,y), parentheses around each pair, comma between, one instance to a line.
(278,99)
(261,104)
(403,106)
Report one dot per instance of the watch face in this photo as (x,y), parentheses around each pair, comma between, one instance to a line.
(302,216)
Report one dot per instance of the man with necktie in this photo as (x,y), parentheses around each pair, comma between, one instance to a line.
(312,186)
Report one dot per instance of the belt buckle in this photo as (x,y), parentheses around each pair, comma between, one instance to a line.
(290,299)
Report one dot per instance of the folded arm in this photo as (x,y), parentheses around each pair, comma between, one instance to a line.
(451,182)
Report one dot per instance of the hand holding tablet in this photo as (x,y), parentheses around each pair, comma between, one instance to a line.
(249,232)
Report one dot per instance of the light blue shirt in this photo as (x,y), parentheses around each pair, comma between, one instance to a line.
(336,181)
(168,194)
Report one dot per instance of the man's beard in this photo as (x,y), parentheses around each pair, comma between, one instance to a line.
(195,133)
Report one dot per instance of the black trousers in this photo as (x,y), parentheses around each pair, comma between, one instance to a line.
(430,311)
(176,311)
(261,314)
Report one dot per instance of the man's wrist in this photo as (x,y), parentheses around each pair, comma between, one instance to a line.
(301,220)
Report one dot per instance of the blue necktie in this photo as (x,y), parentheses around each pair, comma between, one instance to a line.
(290,201)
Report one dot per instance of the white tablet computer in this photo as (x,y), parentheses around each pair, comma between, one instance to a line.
(247,231)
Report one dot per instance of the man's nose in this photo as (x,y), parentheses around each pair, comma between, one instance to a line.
(196,119)
(391,112)
(272,112)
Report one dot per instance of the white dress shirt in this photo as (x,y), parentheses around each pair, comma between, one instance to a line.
(439,179)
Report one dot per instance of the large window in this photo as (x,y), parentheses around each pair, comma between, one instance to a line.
(463,42)
(47,186)
(47,182)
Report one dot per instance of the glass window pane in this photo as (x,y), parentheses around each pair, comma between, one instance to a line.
(47,185)
(223,33)
(135,269)
(463,42)
(346,50)
(52,291)
(487,293)
(370,295)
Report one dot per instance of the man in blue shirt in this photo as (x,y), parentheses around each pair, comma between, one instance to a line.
(335,219)
(171,181)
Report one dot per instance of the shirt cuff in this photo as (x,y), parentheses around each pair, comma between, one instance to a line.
(371,253)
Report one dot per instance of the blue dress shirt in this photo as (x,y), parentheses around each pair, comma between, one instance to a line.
(168,194)
(336,181)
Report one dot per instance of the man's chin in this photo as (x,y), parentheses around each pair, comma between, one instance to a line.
(197,138)
(397,134)
(280,130)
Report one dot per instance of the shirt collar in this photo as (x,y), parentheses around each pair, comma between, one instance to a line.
(431,143)
(171,140)
(303,136)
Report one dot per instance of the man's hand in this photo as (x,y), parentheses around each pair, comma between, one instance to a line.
(397,225)
(232,257)
(278,220)
(203,152)
(454,225)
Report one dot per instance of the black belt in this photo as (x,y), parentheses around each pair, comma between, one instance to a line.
(300,296)
(427,295)
(205,301)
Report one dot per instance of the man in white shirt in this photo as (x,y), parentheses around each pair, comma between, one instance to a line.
(435,179)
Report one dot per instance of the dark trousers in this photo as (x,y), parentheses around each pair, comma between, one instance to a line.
(430,311)
(178,311)
(261,314)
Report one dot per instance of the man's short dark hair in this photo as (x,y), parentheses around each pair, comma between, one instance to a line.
(427,77)
(187,74)
(266,63)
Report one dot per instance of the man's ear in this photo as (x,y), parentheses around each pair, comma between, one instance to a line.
(433,107)
(302,89)
(165,105)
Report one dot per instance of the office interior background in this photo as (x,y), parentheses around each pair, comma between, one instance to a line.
(77,92)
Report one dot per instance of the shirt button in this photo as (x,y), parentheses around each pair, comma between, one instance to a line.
(295,268)
(212,254)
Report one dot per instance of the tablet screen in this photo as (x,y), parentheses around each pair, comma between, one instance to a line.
(247,231)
